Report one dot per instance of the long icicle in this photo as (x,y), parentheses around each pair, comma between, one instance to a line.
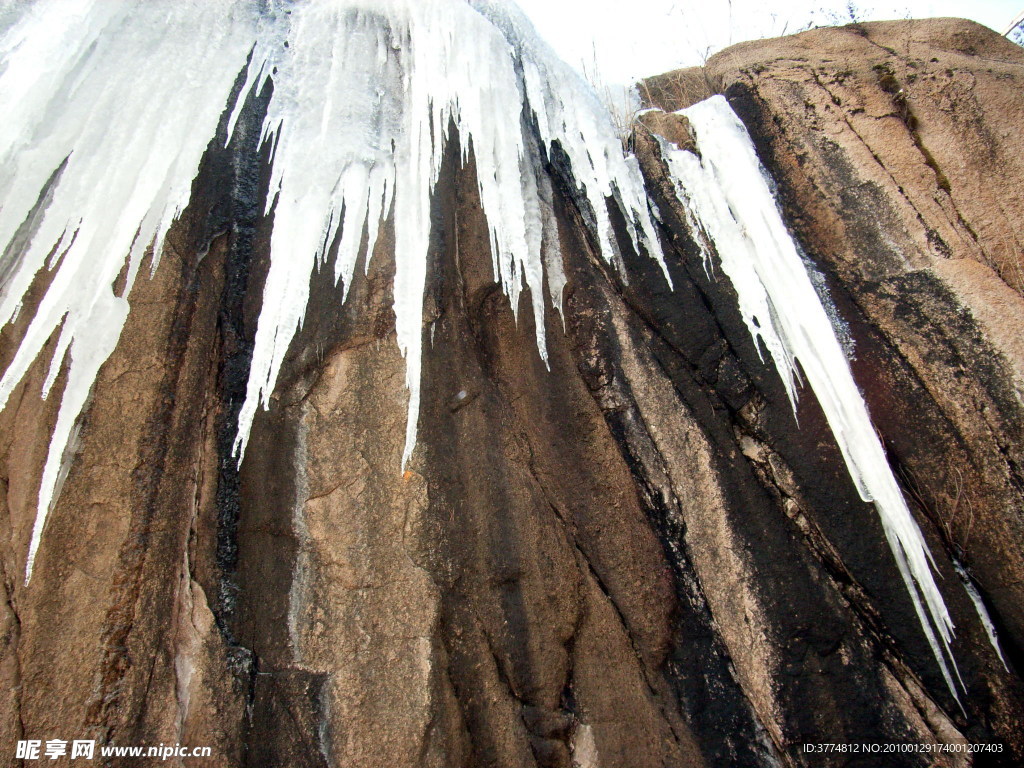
(726,195)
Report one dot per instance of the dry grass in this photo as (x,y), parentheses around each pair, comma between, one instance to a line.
(622,103)
(958,512)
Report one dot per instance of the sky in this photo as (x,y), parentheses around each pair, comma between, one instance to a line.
(630,39)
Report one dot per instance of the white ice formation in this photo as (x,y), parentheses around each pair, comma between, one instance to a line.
(109,106)
(727,197)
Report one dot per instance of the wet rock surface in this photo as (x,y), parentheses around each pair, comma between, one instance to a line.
(633,556)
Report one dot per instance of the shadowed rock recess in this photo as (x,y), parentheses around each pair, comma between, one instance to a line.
(633,557)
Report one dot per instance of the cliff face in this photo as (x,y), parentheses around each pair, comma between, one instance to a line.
(632,555)
(898,174)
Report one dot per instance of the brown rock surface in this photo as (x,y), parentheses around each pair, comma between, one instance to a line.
(634,557)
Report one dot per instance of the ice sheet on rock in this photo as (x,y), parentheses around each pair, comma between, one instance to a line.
(374,86)
(123,98)
(726,196)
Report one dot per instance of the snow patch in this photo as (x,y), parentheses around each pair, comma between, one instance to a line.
(584,747)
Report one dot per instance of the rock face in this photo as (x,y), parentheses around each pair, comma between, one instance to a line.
(633,557)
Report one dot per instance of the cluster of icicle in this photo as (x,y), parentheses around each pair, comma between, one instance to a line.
(375,86)
(109,107)
(728,199)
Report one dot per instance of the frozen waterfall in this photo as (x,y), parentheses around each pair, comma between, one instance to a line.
(110,107)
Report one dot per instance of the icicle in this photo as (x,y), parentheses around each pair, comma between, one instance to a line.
(725,193)
(983,614)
